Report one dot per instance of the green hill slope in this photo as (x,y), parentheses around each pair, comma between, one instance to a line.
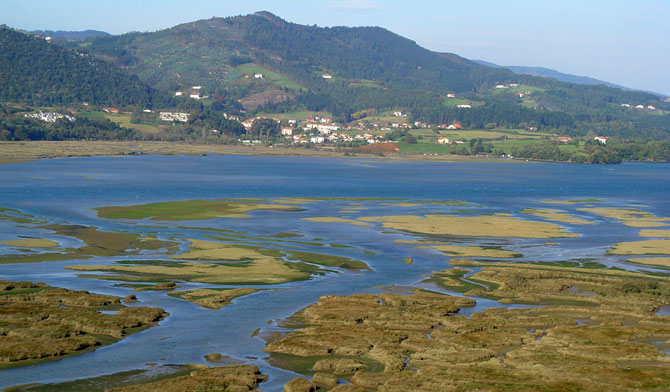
(36,72)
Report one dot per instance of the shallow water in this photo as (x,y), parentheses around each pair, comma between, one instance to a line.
(69,188)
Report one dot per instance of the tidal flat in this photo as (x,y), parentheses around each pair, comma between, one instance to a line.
(490,292)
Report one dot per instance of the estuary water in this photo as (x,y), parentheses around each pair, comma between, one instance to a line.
(66,190)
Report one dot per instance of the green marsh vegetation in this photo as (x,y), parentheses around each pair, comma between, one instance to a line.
(42,323)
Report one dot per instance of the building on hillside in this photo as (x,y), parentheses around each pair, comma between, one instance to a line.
(625,105)
(464,106)
(258,76)
(293,122)
(287,131)
(327,76)
(651,107)
(564,139)
(455,126)
(317,139)
(178,94)
(601,139)
(197,87)
(514,84)
(110,110)
(170,116)
(501,86)
(195,95)
(442,140)
(399,114)
(639,107)
(451,95)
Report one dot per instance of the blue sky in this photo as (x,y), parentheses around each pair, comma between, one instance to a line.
(620,41)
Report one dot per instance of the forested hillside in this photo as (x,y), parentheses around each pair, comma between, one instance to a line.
(36,72)
(344,70)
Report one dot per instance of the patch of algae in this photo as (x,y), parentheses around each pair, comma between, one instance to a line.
(629,216)
(473,251)
(212,298)
(40,323)
(191,210)
(226,378)
(472,226)
(32,243)
(326,219)
(556,216)
(423,345)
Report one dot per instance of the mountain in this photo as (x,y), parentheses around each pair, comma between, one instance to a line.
(37,72)
(267,64)
(71,35)
(551,73)
(365,68)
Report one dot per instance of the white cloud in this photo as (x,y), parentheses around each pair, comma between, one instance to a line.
(355,5)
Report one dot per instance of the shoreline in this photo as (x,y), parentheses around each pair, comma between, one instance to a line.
(26,151)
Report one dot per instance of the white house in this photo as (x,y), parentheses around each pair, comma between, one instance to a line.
(625,105)
(501,86)
(326,76)
(639,107)
(287,131)
(170,116)
(651,107)
(442,140)
(178,94)
(601,139)
(197,87)
(399,114)
(464,106)
(514,85)
(258,76)
(317,139)
(451,95)
(195,95)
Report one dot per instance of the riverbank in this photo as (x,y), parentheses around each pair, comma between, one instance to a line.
(23,151)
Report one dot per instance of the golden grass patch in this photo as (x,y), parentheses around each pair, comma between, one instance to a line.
(472,226)
(265,270)
(655,261)
(655,233)
(212,298)
(190,210)
(473,251)
(556,216)
(649,247)
(629,216)
(326,219)
(32,243)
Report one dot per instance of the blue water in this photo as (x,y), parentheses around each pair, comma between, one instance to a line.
(65,190)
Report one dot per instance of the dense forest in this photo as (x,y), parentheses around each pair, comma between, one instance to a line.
(36,72)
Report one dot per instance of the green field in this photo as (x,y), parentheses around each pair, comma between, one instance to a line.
(270,76)
(123,120)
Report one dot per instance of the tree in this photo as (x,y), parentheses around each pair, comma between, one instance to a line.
(265,127)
